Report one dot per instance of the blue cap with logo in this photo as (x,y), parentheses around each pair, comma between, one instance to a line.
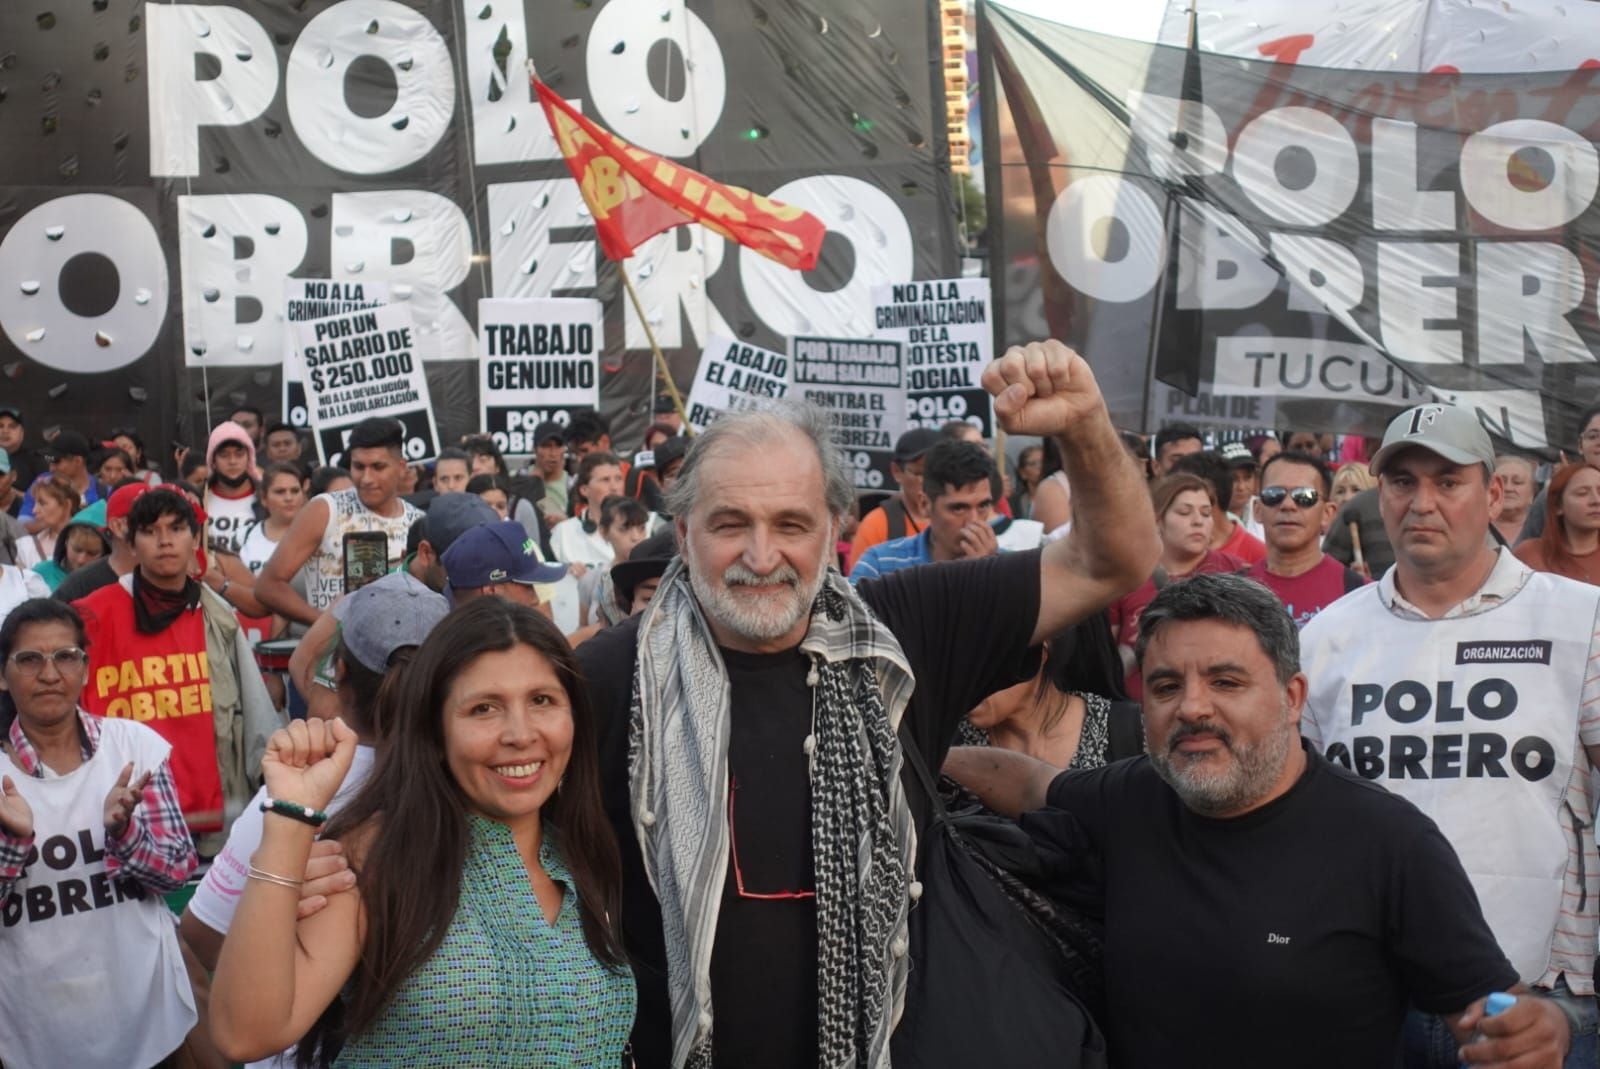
(497,553)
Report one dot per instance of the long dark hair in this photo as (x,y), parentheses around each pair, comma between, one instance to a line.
(1081,659)
(411,873)
(364,695)
(1084,659)
(34,611)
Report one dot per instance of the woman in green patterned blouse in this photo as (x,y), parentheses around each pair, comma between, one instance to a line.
(482,931)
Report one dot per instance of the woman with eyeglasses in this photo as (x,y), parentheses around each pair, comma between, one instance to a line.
(91,837)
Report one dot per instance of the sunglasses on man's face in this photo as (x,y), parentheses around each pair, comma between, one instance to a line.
(1304,496)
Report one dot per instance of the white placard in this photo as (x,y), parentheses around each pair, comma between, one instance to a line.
(314,298)
(735,376)
(538,361)
(362,364)
(949,339)
(860,383)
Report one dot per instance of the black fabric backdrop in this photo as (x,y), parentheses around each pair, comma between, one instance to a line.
(812,88)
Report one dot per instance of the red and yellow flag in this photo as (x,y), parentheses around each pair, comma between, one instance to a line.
(635,195)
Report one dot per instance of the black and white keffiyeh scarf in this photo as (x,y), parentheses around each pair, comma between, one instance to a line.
(861,831)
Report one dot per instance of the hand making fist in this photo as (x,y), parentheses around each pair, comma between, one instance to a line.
(308,760)
(1042,388)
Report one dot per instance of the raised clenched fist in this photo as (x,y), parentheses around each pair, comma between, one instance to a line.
(308,760)
(1042,388)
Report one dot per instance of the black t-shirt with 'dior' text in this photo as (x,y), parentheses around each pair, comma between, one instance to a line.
(1296,934)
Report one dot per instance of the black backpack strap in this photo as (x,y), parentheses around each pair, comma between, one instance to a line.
(1124,731)
(1160,578)
(930,788)
(894,511)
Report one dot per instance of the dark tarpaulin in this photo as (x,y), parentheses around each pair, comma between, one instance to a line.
(823,87)
(1345,267)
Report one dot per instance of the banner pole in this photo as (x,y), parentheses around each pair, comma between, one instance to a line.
(662,371)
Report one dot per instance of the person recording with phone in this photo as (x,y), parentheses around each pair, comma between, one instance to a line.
(320,538)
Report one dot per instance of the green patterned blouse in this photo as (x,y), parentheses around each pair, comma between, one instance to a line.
(505,988)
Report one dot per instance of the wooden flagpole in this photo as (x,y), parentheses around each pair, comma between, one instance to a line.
(662,371)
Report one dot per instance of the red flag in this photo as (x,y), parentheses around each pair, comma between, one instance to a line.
(635,195)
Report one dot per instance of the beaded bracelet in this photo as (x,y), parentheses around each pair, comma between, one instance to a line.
(295,811)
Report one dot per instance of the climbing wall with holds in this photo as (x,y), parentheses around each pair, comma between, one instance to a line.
(174,165)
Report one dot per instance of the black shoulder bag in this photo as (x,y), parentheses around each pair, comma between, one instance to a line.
(1000,974)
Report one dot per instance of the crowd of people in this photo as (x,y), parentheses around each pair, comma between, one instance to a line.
(635,758)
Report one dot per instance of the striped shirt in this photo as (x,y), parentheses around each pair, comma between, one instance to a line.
(1577,934)
(155,849)
(891,556)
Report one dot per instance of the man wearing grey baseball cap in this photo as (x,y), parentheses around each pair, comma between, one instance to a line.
(1470,684)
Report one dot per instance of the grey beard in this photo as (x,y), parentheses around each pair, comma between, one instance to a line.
(1256,770)
(724,609)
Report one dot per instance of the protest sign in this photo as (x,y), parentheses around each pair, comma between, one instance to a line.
(861,385)
(362,364)
(1213,408)
(735,377)
(538,361)
(315,298)
(949,340)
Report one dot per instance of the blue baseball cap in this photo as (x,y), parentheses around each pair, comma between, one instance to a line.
(497,553)
(452,515)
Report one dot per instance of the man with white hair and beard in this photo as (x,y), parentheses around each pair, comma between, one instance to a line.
(1264,907)
(748,723)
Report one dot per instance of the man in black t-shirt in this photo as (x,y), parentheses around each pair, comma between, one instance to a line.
(1263,907)
(758,692)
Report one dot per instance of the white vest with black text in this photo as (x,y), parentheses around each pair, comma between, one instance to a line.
(1475,720)
(94,976)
